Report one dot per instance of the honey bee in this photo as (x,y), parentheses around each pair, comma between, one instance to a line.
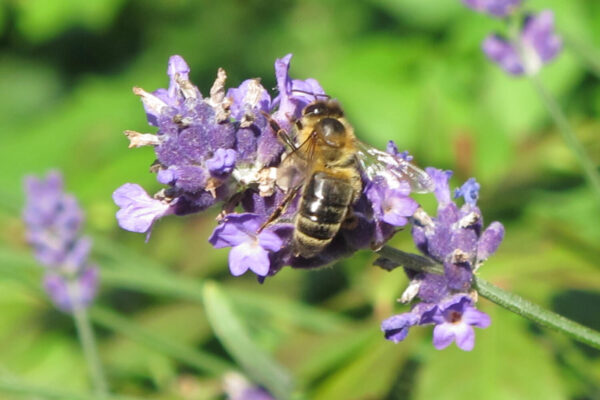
(325,165)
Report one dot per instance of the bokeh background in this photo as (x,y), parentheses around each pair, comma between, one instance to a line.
(408,70)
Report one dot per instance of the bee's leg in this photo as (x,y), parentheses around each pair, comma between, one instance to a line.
(280,208)
(280,132)
(351,220)
(230,205)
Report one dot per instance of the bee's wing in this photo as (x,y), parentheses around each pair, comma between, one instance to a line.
(291,173)
(295,166)
(376,162)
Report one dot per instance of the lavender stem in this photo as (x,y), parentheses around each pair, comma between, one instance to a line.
(88,345)
(590,170)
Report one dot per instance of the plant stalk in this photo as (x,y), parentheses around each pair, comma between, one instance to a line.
(87,340)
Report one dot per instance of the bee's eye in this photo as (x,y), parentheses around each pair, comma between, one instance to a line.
(314,109)
(332,132)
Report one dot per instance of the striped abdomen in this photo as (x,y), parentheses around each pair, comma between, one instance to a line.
(322,209)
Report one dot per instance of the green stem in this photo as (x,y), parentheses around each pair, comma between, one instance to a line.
(535,313)
(202,361)
(590,170)
(510,301)
(88,344)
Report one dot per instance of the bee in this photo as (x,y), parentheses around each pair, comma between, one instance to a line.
(325,165)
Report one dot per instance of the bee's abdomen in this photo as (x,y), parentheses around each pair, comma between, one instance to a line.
(322,209)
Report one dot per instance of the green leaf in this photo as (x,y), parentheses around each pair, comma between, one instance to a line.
(233,335)
(15,386)
(185,354)
(369,375)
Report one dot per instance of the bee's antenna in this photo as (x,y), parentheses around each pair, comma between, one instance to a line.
(315,95)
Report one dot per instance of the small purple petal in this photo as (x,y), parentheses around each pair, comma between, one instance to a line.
(397,207)
(294,95)
(222,162)
(249,255)
(269,240)
(396,327)
(177,67)
(443,336)
(474,317)
(442,188)
(504,54)
(77,257)
(166,176)
(455,320)
(249,97)
(138,210)
(469,191)
(538,34)
(236,229)
(490,240)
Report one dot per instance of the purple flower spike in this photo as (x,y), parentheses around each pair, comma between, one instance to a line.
(469,191)
(250,250)
(455,320)
(53,221)
(538,45)
(496,8)
(138,210)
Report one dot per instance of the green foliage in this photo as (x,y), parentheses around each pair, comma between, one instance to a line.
(408,70)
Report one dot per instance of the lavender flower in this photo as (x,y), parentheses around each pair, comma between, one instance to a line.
(455,319)
(250,250)
(53,220)
(456,240)
(536,46)
(223,149)
(496,8)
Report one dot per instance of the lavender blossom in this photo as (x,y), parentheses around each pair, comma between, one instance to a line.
(496,8)
(455,319)
(536,46)
(53,220)
(456,240)
(250,250)
(223,149)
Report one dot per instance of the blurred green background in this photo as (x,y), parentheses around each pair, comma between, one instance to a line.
(408,70)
